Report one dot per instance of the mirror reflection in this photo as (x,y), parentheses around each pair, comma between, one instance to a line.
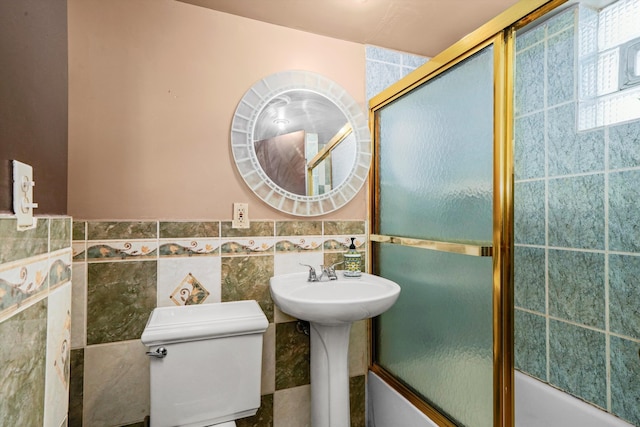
(304,143)
(301,143)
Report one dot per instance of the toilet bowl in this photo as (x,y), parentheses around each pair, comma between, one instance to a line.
(205,363)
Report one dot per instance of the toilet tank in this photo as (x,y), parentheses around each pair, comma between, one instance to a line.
(212,368)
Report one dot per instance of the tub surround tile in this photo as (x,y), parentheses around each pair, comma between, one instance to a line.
(358,348)
(120,298)
(413,61)
(292,407)
(76,384)
(529,278)
(576,212)
(332,258)
(17,245)
(529,156)
(624,295)
(79,230)
(529,213)
(190,229)
(121,288)
(78,305)
(298,228)
(292,356)
(262,418)
(112,250)
(247,278)
(376,53)
(380,75)
(60,233)
(22,371)
(58,355)
(530,346)
(529,38)
(122,230)
(268,383)
(579,372)
(577,287)
(256,229)
(116,384)
(561,22)
(529,81)
(589,178)
(188,281)
(624,146)
(624,221)
(357,391)
(571,152)
(351,228)
(625,371)
(281,317)
(560,59)
(289,262)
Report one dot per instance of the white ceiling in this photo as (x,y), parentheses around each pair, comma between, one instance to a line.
(422,27)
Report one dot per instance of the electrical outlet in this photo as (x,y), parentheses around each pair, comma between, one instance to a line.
(240,215)
(23,204)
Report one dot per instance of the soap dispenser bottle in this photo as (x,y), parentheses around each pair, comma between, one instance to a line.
(352,261)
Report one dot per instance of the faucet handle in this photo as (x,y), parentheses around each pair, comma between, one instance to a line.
(312,273)
(333,266)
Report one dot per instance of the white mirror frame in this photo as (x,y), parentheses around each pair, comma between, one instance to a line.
(242,143)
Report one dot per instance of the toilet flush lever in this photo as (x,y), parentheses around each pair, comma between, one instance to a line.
(160,353)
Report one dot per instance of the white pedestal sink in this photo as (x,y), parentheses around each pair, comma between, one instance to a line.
(331,307)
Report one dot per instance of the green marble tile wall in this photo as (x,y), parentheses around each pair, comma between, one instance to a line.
(577,231)
(124,269)
(35,322)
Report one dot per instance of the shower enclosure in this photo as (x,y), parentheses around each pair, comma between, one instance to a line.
(501,195)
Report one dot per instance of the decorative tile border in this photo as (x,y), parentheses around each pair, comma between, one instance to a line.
(247,246)
(342,243)
(59,268)
(79,250)
(21,281)
(140,249)
(189,247)
(298,244)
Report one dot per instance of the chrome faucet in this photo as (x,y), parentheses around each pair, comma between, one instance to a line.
(329,271)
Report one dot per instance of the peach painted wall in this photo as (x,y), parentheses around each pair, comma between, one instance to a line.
(153,85)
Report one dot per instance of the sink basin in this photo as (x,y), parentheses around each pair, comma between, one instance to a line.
(345,300)
(331,307)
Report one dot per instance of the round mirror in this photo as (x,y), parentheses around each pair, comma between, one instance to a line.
(301,143)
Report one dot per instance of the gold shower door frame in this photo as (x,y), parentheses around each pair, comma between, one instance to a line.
(499,32)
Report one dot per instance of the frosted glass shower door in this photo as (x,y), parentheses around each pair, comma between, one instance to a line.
(434,186)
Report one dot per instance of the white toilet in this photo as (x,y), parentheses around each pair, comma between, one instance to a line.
(206,362)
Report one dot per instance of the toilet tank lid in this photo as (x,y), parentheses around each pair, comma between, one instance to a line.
(197,322)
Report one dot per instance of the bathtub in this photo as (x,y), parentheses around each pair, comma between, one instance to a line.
(540,405)
(537,405)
